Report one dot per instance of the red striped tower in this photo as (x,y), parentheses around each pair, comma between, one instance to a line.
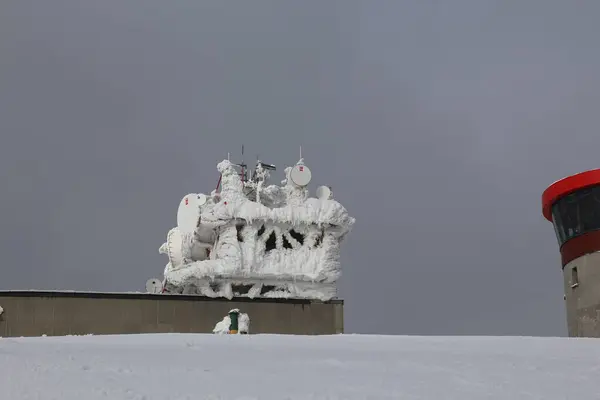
(572,205)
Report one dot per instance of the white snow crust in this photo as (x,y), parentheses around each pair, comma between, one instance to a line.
(272,367)
(222,327)
(236,230)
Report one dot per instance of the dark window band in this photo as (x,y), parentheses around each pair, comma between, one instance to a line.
(577,214)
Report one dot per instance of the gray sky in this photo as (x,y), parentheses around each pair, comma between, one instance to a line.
(438,124)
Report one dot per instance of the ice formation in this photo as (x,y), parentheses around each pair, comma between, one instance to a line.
(252,239)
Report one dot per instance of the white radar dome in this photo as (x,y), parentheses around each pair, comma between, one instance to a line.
(323,193)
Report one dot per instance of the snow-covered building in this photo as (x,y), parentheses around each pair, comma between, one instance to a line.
(252,239)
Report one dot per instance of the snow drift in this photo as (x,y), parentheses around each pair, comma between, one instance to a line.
(270,367)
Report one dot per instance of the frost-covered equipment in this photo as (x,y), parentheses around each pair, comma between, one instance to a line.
(234,323)
(253,239)
(153,285)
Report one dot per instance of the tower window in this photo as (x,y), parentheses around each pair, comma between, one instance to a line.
(574,278)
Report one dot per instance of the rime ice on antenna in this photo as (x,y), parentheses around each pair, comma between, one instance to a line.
(256,239)
(188,212)
(300,175)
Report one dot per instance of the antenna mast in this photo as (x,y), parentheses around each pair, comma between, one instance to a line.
(243,166)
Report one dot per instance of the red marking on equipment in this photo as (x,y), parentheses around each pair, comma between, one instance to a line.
(301,169)
(186,201)
(225,202)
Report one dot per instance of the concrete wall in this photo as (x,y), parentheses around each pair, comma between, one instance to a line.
(583,296)
(71,313)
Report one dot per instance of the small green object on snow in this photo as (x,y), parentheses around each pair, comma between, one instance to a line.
(233,317)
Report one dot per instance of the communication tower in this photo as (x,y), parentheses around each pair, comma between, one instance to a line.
(572,205)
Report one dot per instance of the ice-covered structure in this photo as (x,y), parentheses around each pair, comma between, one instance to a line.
(251,239)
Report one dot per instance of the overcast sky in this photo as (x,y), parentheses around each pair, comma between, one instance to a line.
(438,124)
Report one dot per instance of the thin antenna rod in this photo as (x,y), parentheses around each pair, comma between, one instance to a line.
(243,165)
(301,152)
(228,157)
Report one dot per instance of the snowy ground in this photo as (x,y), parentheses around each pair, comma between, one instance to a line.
(192,367)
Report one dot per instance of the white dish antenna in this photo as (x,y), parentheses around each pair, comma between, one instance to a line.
(188,212)
(174,250)
(153,285)
(323,193)
(300,175)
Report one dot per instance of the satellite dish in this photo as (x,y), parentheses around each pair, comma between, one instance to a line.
(202,199)
(153,285)
(174,250)
(300,175)
(189,213)
(323,193)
